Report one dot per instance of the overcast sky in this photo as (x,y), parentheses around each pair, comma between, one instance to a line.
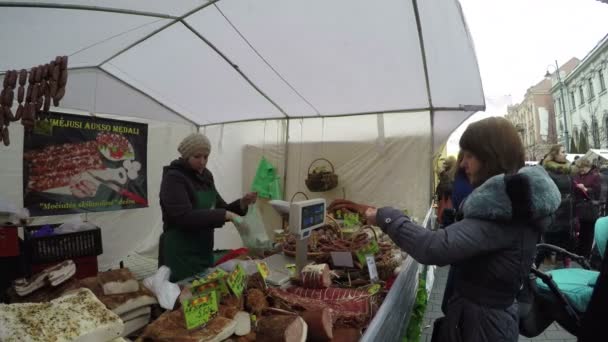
(517,40)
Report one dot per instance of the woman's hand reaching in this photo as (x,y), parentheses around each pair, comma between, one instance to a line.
(248,199)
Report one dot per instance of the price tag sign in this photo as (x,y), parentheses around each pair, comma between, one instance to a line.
(371,248)
(371,267)
(215,281)
(263,269)
(342,259)
(236,281)
(200,310)
(373,289)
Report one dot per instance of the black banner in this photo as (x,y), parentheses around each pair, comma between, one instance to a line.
(76,164)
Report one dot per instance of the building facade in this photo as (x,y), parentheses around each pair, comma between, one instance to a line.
(534,117)
(584,102)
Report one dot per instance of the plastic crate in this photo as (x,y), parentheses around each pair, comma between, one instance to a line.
(62,246)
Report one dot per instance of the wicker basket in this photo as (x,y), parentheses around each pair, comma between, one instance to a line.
(321,181)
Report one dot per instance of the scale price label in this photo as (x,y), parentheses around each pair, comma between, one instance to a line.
(371,267)
(236,281)
(200,310)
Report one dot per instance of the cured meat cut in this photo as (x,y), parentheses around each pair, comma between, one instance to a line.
(170,326)
(118,281)
(121,303)
(282,329)
(350,307)
(316,276)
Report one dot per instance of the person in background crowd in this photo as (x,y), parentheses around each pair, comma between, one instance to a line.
(556,160)
(192,208)
(461,187)
(562,231)
(574,161)
(588,186)
(443,193)
(492,248)
(540,162)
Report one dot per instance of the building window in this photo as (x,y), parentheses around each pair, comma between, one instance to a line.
(591,92)
(595,132)
(606,124)
(602,81)
(558,106)
(572,101)
(581,94)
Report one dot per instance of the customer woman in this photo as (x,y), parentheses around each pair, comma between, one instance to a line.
(192,208)
(492,248)
(588,185)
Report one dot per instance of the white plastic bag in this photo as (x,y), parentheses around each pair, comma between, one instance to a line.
(74,224)
(252,231)
(166,292)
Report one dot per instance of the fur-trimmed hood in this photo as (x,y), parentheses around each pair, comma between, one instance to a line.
(529,195)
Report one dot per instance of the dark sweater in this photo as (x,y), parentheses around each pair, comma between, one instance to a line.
(177,198)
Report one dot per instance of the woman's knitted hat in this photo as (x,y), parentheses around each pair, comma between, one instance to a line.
(193,144)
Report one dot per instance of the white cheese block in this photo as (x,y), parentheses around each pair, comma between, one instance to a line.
(77,316)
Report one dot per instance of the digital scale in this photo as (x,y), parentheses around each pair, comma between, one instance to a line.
(304,217)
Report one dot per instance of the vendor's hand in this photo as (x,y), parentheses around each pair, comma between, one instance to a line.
(582,187)
(370,216)
(249,199)
(230,216)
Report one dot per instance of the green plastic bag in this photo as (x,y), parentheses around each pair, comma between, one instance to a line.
(266,181)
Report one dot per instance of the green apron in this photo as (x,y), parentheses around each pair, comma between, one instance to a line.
(188,251)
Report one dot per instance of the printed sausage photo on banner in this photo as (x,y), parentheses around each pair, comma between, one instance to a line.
(74,164)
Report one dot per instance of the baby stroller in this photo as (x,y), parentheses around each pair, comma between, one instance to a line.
(560,295)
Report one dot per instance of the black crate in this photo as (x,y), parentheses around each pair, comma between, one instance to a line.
(62,246)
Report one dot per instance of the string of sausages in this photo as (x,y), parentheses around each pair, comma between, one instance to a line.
(46,85)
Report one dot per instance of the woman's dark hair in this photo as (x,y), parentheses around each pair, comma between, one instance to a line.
(497,145)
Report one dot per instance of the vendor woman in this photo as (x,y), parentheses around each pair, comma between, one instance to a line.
(192,208)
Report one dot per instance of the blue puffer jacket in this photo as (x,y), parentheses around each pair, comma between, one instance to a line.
(490,251)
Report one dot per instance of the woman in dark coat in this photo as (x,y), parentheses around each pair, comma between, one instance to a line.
(492,248)
(192,208)
(588,185)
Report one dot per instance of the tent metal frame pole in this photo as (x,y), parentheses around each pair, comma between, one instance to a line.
(234,66)
(87,8)
(428,91)
(286,159)
(396,111)
(149,97)
(153,33)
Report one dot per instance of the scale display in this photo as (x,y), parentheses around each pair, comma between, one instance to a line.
(313,215)
(305,216)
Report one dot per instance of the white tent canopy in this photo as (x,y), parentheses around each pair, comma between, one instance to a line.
(232,60)
(595,154)
(280,79)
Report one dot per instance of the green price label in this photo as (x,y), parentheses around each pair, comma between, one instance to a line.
(200,309)
(373,289)
(215,281)
(371,248)
(236,281)
(263,269)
